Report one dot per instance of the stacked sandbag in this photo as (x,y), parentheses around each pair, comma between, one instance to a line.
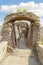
(6,32)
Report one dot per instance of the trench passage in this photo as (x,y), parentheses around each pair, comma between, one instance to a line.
(22,42)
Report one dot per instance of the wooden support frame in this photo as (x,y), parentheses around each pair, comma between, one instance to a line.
(11,18)
(31,34)
(13,36)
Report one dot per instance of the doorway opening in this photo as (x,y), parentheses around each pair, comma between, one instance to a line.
(22,32)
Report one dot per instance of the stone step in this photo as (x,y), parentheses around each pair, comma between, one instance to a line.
(22,52)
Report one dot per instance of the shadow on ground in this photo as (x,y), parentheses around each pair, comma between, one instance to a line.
(32,60)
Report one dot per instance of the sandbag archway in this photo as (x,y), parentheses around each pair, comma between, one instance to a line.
(34,20)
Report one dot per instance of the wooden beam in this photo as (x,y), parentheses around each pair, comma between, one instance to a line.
(31,35)
(13,36)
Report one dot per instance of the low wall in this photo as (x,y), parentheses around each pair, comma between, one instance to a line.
(40,53)
(3,49)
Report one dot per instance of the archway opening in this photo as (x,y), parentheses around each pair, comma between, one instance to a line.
(22,31)
(34,25)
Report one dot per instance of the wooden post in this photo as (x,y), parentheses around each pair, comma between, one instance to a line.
(31,35)
(18,30)
(27,34)
(13,35)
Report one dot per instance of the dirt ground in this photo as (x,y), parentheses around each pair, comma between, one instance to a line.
(20,57)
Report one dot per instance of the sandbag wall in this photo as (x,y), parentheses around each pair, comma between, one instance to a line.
(6,32)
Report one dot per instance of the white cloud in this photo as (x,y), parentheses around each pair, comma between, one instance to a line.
(11,8)
(30,6)
(36,8)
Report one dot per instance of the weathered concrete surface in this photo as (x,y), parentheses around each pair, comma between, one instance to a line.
(3,49)
(8,30)
(20,57)
(40,53)
(23,57)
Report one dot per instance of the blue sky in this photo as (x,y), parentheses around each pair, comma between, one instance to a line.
(9,2)
(6,5)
